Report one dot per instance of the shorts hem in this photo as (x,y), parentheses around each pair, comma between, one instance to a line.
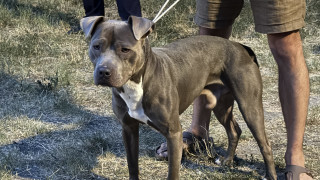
(280,28)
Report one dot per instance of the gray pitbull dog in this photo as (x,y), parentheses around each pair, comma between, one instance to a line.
(155,85)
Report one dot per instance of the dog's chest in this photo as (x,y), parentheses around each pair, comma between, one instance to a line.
(132,95)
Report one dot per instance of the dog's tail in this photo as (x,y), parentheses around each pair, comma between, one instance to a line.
(251,53)
(211,98)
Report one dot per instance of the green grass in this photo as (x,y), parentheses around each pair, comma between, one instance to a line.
(55,124)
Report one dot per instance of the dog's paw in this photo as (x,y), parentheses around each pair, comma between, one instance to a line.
(223,161)
(227,161)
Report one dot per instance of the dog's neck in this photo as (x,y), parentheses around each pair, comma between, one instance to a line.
(147,52)
(132,91)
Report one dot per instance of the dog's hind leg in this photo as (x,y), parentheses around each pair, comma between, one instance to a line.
(247,90)
(253,115)
(223,112)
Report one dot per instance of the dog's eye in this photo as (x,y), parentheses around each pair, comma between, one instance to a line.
(125,50)
(96,47)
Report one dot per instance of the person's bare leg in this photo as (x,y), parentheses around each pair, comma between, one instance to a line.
(293,91)
(201,115)
(224,32)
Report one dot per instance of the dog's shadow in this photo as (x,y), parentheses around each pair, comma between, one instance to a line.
(204,161)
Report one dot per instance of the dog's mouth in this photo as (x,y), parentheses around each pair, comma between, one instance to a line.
(104,83)
(108,82)
(111,81)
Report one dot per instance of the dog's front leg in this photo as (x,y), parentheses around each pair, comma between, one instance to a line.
(174,142)
(130,134)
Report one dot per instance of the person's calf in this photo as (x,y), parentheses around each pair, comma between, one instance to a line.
(293,91)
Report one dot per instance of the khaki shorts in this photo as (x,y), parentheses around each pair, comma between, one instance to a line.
(270,16)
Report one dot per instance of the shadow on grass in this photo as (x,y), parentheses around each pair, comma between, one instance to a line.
(70,145)
(248,168)
(49,10)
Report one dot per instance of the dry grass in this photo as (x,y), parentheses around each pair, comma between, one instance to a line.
(55,124)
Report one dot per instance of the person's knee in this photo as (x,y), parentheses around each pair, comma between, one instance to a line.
(286,48)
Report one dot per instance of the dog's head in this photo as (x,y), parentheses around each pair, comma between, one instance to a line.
(116,47)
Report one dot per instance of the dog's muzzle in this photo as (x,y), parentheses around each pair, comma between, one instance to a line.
(102,76)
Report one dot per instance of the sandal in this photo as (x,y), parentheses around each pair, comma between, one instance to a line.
(293,172)
(192,144)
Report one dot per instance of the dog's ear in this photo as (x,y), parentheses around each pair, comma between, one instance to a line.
(88,24)
(141,27)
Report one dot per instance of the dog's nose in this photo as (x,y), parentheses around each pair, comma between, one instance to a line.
(104,72)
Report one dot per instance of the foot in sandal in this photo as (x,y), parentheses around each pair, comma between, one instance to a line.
(294,172)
